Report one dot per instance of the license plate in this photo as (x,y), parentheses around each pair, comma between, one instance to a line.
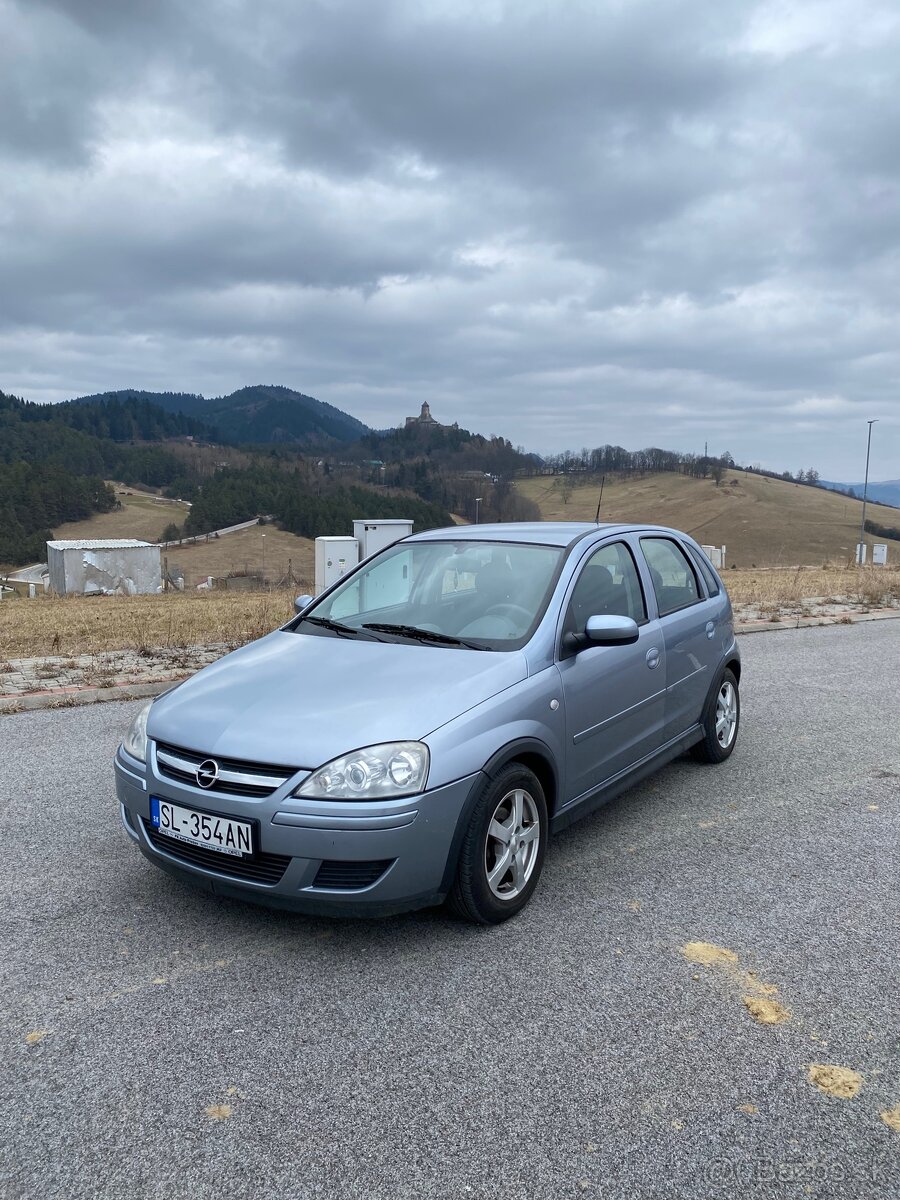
(202,829)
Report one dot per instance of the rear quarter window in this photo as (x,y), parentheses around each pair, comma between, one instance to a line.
(713,586)
(674,578)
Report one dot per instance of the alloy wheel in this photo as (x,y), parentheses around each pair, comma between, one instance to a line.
(726,714)
(511,846)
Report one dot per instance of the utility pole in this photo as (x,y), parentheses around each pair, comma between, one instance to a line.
(860,553)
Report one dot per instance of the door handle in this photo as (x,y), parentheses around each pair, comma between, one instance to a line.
(710,628)
(653,657)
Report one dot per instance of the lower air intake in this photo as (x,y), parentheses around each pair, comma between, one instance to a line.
(350,876)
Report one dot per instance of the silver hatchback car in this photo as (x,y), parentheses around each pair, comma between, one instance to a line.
(415,733)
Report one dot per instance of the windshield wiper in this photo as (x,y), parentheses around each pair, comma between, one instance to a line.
(334,626)
(424,635)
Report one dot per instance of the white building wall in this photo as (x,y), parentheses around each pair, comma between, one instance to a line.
(93,568)
(56,565)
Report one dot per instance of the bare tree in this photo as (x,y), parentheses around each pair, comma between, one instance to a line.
(565,487)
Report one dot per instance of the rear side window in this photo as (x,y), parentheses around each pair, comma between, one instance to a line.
(608,584)
(673,576)
(709,575)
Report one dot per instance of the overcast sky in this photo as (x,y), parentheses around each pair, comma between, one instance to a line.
(632,221)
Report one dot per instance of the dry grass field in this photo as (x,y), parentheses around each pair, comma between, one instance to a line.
(142,515)
(763,522)
(263,551)
(91,625)
(787,588)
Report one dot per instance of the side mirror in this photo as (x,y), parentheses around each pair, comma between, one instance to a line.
(302,602)
(609,630)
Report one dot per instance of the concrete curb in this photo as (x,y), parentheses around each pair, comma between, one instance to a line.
(881,614)
(75,697)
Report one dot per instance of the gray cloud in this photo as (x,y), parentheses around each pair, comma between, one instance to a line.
(569,223)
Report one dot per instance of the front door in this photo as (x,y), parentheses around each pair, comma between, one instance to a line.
(614,695)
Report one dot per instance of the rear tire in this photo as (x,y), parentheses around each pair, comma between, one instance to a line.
(721,721)
(502,853)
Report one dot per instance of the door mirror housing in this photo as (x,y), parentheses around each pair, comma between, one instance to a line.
(610,630)
(302,602)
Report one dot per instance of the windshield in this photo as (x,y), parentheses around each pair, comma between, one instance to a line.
(483,595)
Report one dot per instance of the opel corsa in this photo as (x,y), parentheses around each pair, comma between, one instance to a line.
(417,732)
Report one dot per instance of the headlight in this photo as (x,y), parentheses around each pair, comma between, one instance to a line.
(136,737)
(374,773)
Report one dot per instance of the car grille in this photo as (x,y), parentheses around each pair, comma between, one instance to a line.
(234,778)
(261,868)
(350,876)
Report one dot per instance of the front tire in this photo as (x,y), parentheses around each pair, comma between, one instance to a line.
(502,853)
(721,721)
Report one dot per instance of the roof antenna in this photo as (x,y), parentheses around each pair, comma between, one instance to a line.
(599,500)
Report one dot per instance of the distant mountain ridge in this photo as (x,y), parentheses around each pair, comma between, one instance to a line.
(260,414)
(885,492)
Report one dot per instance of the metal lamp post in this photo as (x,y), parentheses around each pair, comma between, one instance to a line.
(861,552)
(264,558)
(477,502)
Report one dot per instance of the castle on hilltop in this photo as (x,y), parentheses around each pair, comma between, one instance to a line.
(425,418)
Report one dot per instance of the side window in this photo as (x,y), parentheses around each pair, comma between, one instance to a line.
(712,584)
(673,576)
(608,583)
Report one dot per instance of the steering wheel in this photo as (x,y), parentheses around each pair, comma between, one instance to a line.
(517,616)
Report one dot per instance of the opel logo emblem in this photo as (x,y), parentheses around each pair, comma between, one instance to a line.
(207,773)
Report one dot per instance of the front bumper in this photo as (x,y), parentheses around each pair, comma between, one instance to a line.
(411,843)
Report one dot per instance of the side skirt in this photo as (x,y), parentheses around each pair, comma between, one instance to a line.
(626,779)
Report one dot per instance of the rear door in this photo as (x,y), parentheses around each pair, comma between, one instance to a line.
(614,695)
(687,618)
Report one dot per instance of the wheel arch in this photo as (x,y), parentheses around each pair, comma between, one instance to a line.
(733,664)
(534,755)
(531,753)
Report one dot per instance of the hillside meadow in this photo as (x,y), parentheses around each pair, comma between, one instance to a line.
(763,522)
(266,552)
(263,551)
(143,515)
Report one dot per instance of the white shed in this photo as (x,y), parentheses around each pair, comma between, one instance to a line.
(98,565)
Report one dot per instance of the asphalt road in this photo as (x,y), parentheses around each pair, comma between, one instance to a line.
(34,574)
(574,1051)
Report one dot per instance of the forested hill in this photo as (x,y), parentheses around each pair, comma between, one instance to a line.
(258,415)
(94,439)
(54,459)
(126,416)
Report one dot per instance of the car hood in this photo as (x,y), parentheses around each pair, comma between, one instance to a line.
(300,700)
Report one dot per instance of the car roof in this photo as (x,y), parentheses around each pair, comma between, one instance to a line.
(542,533)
